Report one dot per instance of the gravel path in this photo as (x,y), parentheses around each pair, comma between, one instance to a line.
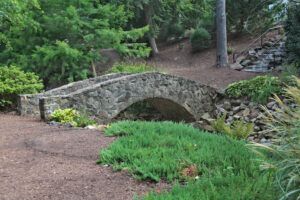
(42,162)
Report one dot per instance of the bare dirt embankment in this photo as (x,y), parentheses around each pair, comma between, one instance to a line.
(178,60)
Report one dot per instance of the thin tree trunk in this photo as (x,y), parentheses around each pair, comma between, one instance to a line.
(222,56)
(153,45)
(152,40)
(94,69)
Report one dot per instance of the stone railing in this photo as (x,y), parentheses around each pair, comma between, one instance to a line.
(28,104)
(106,99)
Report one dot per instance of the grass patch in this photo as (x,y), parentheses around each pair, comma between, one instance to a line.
(222,168)
(131,68)
(219,188)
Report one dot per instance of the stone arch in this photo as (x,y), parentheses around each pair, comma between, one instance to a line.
(169,109)
(106,99)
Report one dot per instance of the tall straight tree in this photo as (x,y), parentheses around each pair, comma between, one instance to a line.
(222,56)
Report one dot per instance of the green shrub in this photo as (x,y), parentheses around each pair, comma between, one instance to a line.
(14,81)
(230,50)
(286,150)
(131,68)
(259,89)
(83,121)
(238,129)
(175,30)
(65,116)
(71,116)
(217,166)
(200,39)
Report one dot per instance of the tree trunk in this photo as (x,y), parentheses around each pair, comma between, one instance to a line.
(94,69)
(153,45)
(152,40)
(222,56)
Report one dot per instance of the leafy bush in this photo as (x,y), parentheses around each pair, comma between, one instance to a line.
(259,89)
(200,39)
(83,121)
(14,81)
(238,129)
(65,116)
(171,29)
(131,68)
(219,166)
(230,50)
(286,150)
(59,63)
(60,40)
(71,116)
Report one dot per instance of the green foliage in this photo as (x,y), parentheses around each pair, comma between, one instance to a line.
(293,33)
(65,63)
(200,39)
(65,116)
(259,89)
(71,116)
(83,121)
(286,150)
(14,81)
(220,188)
(253,16)
(59,40)
(163,150)
(237,130)
(131,68)
(230,50)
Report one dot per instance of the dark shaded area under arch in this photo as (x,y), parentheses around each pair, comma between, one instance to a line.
(157,109)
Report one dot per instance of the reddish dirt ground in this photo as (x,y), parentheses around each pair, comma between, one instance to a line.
(38,161)
(201,66)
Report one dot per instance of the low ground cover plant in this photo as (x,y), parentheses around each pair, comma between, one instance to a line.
(258,89)
(131,68)
(14,81)
(215,166)
(72,117)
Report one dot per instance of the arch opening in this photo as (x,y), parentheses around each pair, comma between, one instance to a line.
(155,109)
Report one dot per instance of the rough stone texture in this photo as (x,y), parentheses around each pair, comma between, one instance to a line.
(105,100)
(28,104)
(269,57)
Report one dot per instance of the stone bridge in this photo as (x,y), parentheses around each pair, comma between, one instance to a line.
(106,96)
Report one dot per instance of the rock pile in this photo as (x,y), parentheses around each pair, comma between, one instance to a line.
(245,110)
(267,58)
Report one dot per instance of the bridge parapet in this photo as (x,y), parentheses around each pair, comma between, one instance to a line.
(28,104)
(105,100)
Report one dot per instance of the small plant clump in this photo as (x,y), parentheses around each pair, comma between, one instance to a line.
(72,117)
(131,68)
(237,130)
(14,81)
(230,50)
(259,89)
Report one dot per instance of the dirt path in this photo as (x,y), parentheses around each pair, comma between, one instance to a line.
(38,161)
